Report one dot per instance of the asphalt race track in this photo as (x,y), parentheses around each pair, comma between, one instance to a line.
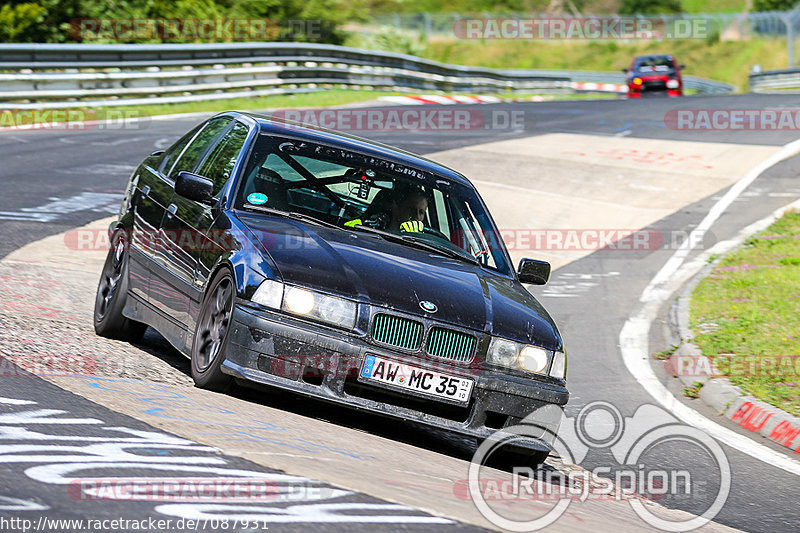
(57,180)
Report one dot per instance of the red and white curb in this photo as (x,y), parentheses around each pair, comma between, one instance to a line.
(425,99)
(602,87)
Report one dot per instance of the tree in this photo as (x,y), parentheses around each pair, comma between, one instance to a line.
(54,21)
(17,20)
(649,7)
(773,5)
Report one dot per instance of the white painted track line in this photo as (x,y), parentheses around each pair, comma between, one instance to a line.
(634,336)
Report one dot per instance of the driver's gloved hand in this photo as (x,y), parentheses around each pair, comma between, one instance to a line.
(412,226)
(378,221)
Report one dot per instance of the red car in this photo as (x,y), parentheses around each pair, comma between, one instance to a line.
(654,74)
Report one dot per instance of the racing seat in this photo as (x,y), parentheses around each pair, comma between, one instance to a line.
(382,203)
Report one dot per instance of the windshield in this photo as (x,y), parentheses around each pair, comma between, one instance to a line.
(362,193)
(654,64)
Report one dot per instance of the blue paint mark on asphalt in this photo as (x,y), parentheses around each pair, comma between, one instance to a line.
(159,412)
(171,399)
(314,447)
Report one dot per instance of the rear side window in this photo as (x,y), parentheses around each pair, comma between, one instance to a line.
(220,162)
(198,146)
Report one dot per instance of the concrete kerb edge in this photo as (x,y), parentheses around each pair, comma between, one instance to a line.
(719,393)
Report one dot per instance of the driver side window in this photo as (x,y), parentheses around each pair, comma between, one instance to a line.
(198,146)
(220,162)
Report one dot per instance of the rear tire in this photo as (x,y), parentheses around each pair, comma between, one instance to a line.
(112,293)
(212,329)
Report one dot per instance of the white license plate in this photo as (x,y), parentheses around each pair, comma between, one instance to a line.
(417,379)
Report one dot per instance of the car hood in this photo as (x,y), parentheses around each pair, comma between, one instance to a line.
(368,268)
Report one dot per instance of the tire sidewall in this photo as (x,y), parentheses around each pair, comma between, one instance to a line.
(113,320)
(212,377)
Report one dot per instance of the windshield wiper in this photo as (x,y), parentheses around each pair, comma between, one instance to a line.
(291,214)
(443,249)
(419,243)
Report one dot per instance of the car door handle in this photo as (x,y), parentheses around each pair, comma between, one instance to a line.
(145,191)
(171,210)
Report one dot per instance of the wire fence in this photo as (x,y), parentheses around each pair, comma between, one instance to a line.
(767,23)
(501,25)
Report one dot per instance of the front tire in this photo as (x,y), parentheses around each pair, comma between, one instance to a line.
(112,292)
(212,329)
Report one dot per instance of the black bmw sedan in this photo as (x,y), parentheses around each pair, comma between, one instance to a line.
(276,254)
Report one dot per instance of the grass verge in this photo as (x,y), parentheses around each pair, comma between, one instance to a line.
(746,315)
(726,61)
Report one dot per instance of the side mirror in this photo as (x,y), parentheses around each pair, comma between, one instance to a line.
(194,187)
(625,70)
(533,271)
(681,67)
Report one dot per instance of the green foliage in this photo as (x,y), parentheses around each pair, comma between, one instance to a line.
(773,5)
(16,20)
(459,6)
(753,297)
(649,7)
(666,354)
(391,40)
(693,391)
(292,20)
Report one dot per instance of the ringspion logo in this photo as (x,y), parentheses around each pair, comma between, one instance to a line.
(634,469)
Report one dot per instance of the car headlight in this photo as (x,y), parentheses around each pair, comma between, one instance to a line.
(532,359)
(304,302)
(673,84)
(503,352)
(510,354)
(269,294)
(559,368)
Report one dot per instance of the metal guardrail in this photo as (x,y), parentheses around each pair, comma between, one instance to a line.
(53,75)
(776,81)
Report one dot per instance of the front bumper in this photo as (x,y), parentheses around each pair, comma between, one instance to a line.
(273,349)
(657,85)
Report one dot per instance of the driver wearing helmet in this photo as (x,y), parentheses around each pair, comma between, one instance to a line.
(404,211)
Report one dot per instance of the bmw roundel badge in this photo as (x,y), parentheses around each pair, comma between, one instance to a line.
(429,307)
